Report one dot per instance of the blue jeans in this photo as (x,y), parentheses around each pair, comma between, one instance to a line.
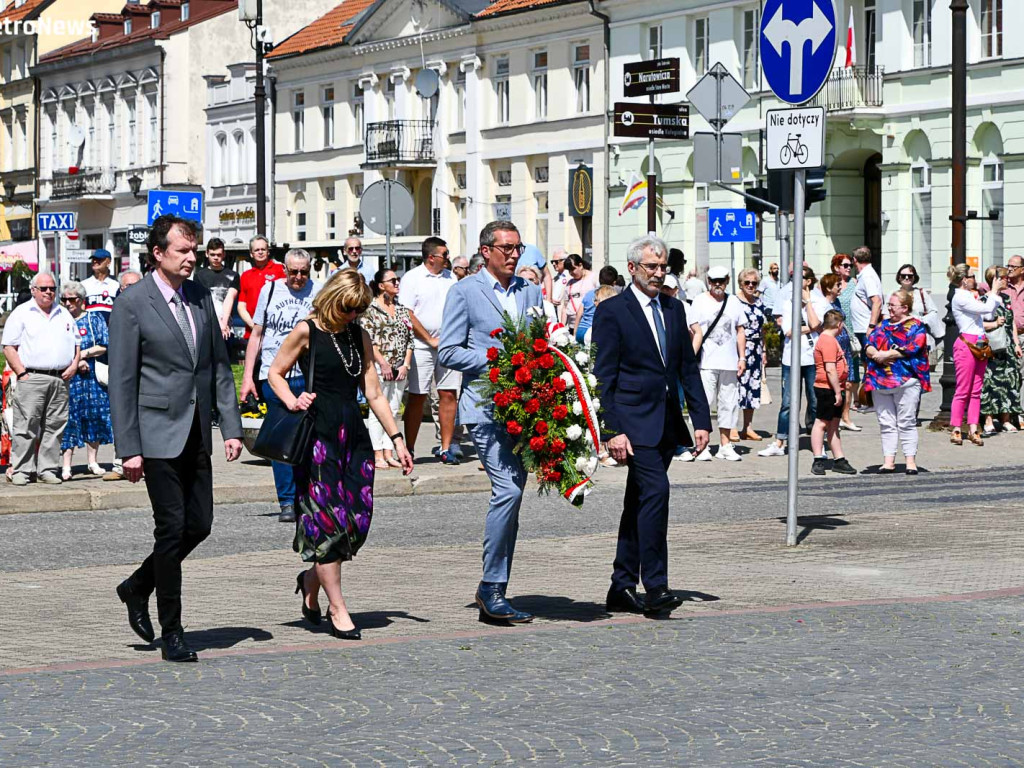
(284,480)
(807,375)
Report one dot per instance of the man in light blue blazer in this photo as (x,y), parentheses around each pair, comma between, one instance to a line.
(472,310)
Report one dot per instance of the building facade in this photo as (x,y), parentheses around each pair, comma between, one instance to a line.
(481,110)
(888,134)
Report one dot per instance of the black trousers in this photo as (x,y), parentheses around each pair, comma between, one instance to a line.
(642,551)
(181,493)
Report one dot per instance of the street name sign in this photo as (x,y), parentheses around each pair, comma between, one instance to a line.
(795,138)
(652,121)
(731,225)
(187,205)
(56,222)
(647,78)
(704,96)
(798,47)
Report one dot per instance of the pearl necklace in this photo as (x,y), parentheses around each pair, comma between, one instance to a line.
(356,359)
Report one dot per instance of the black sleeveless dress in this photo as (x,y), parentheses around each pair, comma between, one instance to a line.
(334,483)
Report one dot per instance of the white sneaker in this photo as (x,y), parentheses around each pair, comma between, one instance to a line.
(684,456)
(728,453)
(773,450)
(704,455)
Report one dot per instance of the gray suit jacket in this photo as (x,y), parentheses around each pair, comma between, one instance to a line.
(471,312)
(154,388)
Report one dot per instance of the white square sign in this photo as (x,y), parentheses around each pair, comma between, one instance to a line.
(795,138)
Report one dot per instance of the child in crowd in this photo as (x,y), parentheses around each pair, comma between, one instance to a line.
(830,374)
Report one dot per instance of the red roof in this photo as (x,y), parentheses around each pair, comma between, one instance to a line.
(330,29)
(17,14)
(201,10)
(511,6)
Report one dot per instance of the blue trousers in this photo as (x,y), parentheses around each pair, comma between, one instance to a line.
(508,478)
(284,480)
(807,376)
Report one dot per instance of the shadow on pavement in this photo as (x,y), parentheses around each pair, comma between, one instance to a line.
(381,619)
(225,637)
(559,608)
(810,523)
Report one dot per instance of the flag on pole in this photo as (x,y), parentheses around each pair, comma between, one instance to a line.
(851,43)
(636,193)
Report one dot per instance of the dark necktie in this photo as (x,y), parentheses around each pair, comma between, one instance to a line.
(659,326)
(186,329)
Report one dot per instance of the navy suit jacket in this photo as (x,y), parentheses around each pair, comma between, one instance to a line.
(636,385)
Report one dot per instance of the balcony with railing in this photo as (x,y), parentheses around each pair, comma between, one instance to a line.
(400,143)
(851,88)
(71,186)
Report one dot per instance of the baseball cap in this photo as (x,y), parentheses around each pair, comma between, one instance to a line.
(99,254)
(671,282)
(718,273)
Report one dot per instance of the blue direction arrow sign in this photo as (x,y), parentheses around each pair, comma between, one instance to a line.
(187,205)
(731,225)
(798,47)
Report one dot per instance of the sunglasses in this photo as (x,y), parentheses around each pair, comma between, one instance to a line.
(355,249)
(393,280)
(750,282)
(905,276)
(846,264)
(297,272)
(46,288)
(68,299)
(718,282)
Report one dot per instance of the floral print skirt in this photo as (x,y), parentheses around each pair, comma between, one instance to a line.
(334,499)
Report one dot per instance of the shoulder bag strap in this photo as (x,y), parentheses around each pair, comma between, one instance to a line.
(312,356)
(711,327)
(258,363)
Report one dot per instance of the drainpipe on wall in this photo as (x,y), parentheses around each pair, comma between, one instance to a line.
(271,185)
(163,111)
(607,124)
(36,104)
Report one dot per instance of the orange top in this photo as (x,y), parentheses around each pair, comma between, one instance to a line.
(827,350)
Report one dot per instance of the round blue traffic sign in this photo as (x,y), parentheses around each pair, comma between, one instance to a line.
(798,47)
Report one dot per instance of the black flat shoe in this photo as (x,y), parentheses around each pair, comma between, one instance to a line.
(911,471)
(311,615)
(138,612)
(176,649)
(886,470)
(624,601)
(661,600)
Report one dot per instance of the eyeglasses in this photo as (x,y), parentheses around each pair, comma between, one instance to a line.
(45,288)
(459,269)
(752,283)
(297,272)
(509,248)
(1014,266)
(655,267)
(905,276)
(68,299)
(354,249)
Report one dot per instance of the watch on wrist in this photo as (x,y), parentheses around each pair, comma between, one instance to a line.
(396,436)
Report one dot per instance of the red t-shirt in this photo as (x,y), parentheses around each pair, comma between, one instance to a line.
(252,282)
(827,350)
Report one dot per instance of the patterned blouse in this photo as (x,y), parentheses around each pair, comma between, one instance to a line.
(391,335)
(911,336)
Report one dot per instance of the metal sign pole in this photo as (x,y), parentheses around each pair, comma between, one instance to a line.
(795,379)
(387,224)
(652,187)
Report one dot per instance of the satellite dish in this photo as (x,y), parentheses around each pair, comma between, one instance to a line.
(427,83)
(76,136)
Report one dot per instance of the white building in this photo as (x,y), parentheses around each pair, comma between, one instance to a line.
(519,104)
(888,131)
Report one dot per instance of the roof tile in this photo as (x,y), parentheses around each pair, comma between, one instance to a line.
(509,6)
(330,29)
(17,14)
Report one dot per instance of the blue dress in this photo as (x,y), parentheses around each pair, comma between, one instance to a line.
(88,402)
(750,382)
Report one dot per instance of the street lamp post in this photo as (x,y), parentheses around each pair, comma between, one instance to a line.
(251,12)
(958,217)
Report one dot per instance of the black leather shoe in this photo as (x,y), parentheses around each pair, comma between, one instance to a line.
(138,612)
(312,615)
(661,600)
(494,608)
(624,601)
(176,649)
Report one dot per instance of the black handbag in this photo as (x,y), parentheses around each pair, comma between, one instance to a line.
(287,436)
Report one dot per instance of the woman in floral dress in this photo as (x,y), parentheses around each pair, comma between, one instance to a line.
(88,402)
(1000,393)
(334,482)
(750,382)
(390,327)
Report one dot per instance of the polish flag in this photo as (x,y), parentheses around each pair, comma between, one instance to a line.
(851,43)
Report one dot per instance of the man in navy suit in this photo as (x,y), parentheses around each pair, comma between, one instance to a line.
(473,308)
(643,353)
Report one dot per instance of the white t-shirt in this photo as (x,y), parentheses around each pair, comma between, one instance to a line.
(868,285)
(718,352)
(806,340)
(424,295)
(44,341)
(558,284)
(100,293)
(286,309)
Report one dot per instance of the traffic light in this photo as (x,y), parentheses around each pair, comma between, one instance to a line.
(815,187)
(755,207)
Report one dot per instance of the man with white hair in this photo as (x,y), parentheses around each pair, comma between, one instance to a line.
(353,249)
(41,344)
(460,267)
(281,306)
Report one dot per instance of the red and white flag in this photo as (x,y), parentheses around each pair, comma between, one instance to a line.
(851,43)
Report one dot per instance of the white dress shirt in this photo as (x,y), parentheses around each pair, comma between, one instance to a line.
(505,296)
(45,342)
(424,294)
(648,304)
(970,312)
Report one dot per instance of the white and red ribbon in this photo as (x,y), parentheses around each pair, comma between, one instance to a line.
(589,416)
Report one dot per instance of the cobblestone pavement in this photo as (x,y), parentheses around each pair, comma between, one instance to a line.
(901,685)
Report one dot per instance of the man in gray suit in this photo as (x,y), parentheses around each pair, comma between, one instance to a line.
(473,309)
(168,368)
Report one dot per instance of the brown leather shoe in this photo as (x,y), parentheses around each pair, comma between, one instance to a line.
(975,438)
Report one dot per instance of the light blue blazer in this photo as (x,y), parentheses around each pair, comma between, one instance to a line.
(471,312)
